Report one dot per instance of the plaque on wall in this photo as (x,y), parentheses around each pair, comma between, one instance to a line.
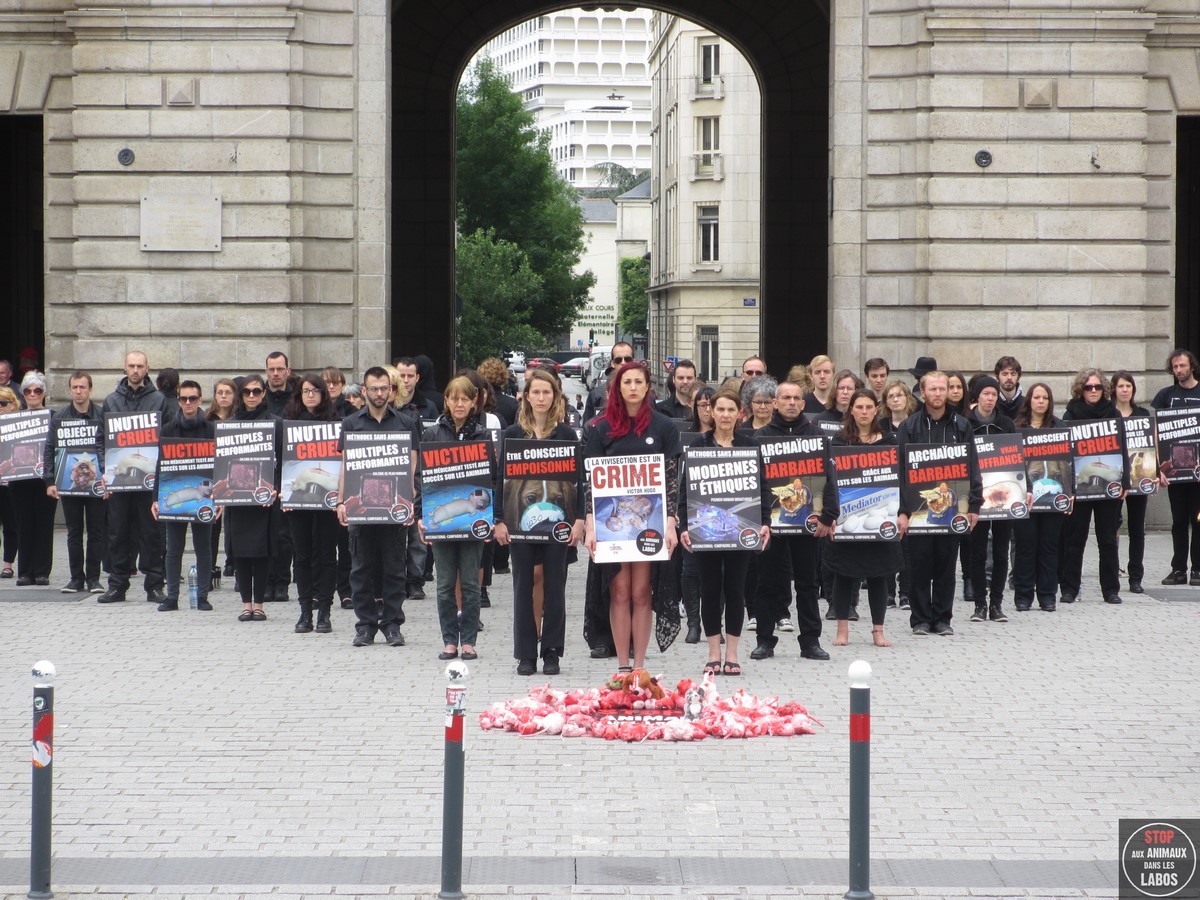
(181,222)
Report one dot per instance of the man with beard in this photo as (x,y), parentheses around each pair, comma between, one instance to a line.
(932,557)
(789,560)
(1008,373)
(129,516)
(1184,498)
(820,370)
(683,382)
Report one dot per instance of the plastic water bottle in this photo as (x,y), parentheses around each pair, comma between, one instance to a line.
(193,589)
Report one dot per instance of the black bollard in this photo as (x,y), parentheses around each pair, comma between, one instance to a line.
(43,781)
(860,782)
(452,791)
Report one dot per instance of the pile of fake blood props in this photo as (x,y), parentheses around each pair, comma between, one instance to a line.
(636,707)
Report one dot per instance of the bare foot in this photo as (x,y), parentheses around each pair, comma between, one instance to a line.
(880,640)
(842,638)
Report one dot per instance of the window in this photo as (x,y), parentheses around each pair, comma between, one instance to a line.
(710,62)
(710,366)
(710,226)
(710,138)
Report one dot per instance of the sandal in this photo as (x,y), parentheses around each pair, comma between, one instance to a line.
(246,616)
(714,666)
(258,615)
(732,668)
(624,670)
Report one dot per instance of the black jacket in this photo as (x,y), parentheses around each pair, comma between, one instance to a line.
(147,398)
(999,424)
(781,427)
(951,428)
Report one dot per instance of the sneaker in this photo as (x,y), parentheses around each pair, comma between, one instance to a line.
(785,624)
(393,636)
(168,606)
(996,614)
(527,667)
(74,586)
(980,614)
(111,596)
(1195,579)
(501,570)
(363,637)
(830,615)
(155,595)
(891,603)
(93,586)
(550,664)
(1177,576)
(752,624)
(1113,597)
(853,615)
(416,594)
(921,630)
(904,604)
(203,605)
(944,630)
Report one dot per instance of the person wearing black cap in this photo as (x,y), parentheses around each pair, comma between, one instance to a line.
(985,418)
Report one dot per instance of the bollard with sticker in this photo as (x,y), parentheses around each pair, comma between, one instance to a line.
(43,780)
(860,782)
(452,796)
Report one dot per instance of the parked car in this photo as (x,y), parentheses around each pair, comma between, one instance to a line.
(543,362)
(573,368)
(516,361)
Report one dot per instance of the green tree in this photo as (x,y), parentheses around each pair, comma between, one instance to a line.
(633,302)
(617,180)
(494,280)
(506,182)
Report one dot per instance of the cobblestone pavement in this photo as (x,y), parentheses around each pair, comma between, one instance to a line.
(199,756)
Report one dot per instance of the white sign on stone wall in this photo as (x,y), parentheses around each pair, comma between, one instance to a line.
(181,222)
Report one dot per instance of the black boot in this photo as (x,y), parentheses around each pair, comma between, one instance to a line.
(304,624)
(968,591)
(691,603)
(324,626)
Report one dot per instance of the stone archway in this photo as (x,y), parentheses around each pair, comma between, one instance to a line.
(788,45)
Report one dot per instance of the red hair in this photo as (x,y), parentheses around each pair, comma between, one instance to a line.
(615,412)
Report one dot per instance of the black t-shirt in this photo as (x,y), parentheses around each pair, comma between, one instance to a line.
(1174,395)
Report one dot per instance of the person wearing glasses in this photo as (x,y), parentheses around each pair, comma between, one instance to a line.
(1090,400)
(622,353)
(79,512)
(9,403)
(225,394)
(758,401)
(34,508)
(190,423)
(314,532)
(129,515)
(254,530)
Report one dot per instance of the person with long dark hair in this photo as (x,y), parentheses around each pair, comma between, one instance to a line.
(702,417)
(1090,399)
(314,531)
(631,426)
(1036,538)
(543,566)
(253,530)
(1124,394)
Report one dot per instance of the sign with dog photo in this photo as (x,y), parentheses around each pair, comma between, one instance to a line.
(541,481)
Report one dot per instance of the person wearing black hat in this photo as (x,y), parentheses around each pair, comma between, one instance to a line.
(985,418)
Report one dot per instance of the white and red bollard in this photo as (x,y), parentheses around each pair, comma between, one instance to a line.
(452,792)
(860,782)
(43,780)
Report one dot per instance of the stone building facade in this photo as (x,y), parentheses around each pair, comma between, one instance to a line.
(324,130)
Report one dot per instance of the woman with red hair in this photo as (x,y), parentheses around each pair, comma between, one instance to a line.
(631,426)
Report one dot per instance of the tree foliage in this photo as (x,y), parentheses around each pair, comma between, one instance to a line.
(507,183)
(494,280)
(633,301)
(617,180)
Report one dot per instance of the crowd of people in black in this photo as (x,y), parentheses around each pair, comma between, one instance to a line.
(374,569)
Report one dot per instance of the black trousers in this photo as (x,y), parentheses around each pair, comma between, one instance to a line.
(85,514)
(314,536)
(129,514)
(722,583)
(933,558)
(1035,568)
(8,525)
(343,561)
(552,557)
(280,575)
(252,575)
(845,591)
(1001,533)
(176,540)
(1135,524)
(382,547)
(1074,538)
(35,528)
(1185,506)
(788,562)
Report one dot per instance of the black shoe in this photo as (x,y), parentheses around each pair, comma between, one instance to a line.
(980,614)
(693,635)
(921,630)
(203,605)
(527,667)
(42,581)
(155,595)
(324,626)
(968,592)
(603,652)
(93,586)
(363,637)
(168,606)
(830,615)
(214,578)
(111,596)
(485,602)
(904,604)
(1069,596)
(1135,587)
(1023,607)
(393,636)
(1177,576)
(1112,597)
(304,624)
(279,595)
(891,603)
(347,603)
(813,651)
(416,594)
(853,617)
(24,581)
(943,629)
(762,651)
(228,570)
(1049,607)
(550,664)
(1195,579)
(501,571)
(74,586)
(996,614)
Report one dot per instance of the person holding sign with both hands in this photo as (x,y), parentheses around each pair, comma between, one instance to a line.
(723,572)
